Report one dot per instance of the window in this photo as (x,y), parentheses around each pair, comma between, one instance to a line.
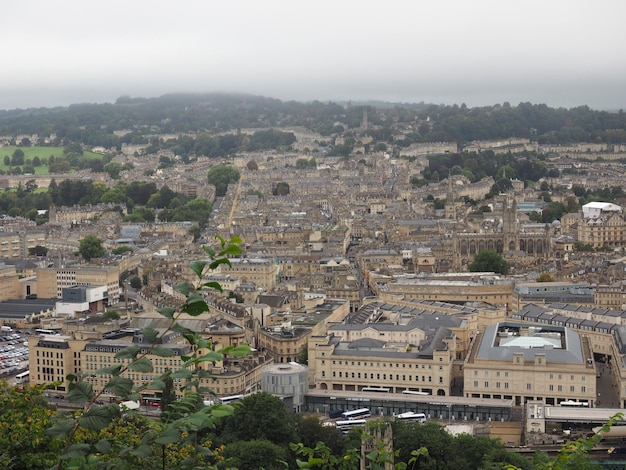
(529,387)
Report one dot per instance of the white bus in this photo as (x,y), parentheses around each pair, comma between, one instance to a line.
(411,416)
(413,392)
(345,426)
(42,331)
(573,403)
(229,400)
(376,389)
(356,414)
(23,377)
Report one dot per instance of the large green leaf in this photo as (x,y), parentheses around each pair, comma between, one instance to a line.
(61,429)
(169,436)
(195,305)
(80,392)
(178,328)
(219,261)
(111,370)
(184,288)
(103,446)
(97,417)
(150,334)
(233,250)
(143,451)
(182,374)
(209,251)
(237,351)
(212,356)
(141,365)
(120,386)
(129,352)
(157,384)
(198,268)
(213,285)
(219,411)
(167,312)
(76,451)
(162,351)
(197,421)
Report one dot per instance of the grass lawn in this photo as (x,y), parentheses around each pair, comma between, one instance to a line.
(41,152)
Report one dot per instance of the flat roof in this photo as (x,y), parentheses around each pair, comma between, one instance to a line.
(20,309)
(490,347)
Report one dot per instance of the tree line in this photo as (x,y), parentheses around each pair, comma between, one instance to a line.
(142,199)
(216,114)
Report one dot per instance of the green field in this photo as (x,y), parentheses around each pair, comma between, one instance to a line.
(42,153)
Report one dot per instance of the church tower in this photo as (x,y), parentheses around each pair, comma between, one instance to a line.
(509,225)
(450,207)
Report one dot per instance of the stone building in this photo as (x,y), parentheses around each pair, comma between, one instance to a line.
(530,362)
(51,281)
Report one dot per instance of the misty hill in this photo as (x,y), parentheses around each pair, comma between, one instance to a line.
(95,124)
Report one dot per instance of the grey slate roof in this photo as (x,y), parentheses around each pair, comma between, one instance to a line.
(571,353)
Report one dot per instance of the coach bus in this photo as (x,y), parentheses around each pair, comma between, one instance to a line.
(345,426)
(23,377)
(356,414)
(411,416)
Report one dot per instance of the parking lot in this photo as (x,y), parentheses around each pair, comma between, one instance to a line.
(13,354)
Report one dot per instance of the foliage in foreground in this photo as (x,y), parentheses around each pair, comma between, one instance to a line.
(190,435)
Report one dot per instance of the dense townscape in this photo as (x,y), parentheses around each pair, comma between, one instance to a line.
(447,275)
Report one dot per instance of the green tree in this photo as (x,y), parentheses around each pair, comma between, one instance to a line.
(168,399)
(24,419)
(221,176)
(252,165)
(545,277)
(255,453)
(7,160)
(113,169)
(111,315)
(281,189)
(259,416)
(91,247)
(135,282)
(38,250)
(120,250)
(31,214)
(489,261)
(553,211)
(18,157)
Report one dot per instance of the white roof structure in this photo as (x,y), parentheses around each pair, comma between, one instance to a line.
(595,209)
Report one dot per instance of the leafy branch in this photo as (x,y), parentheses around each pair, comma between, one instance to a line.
(193,416)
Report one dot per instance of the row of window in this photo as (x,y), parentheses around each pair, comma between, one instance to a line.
(529,386)
(384,364)
(552,376)
(357,375)
(46,353)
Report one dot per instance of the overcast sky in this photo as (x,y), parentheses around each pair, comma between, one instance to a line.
(478,52)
